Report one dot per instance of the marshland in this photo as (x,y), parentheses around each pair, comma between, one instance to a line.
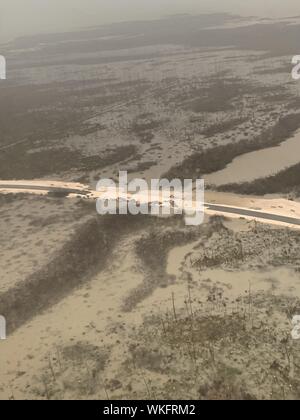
(141,307)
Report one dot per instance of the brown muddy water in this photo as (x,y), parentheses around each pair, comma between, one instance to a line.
(235,283)
(259,164)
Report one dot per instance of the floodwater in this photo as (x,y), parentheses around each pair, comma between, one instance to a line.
(259,164)
(234,283)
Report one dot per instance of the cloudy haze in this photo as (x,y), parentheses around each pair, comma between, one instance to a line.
(19,17)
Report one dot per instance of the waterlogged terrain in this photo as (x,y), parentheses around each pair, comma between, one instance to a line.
(259,164)
(141,307)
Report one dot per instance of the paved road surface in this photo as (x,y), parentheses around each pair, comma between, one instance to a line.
(243,212)
(253,213)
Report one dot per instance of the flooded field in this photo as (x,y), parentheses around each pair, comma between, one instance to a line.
(259,164)
(138,307)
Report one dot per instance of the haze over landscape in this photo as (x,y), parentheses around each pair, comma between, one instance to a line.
(145,305)
(19,17)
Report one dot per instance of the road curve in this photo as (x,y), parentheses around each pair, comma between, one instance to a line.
(217,208)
